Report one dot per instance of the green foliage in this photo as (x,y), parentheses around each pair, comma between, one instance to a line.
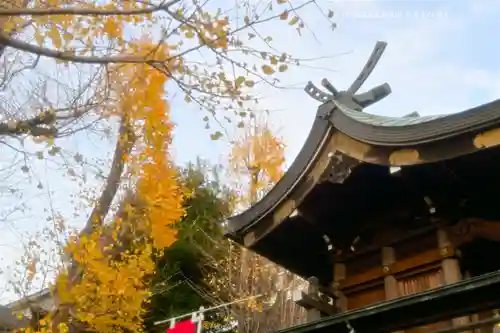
(179,283)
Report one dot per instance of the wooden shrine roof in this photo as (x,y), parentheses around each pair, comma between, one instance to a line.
(347,145)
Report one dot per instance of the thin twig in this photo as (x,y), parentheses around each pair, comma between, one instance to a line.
(84,11)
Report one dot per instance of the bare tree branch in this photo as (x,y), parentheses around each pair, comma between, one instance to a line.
(33,126)
(126,140)
(84,11)
(67,56)
(124,144)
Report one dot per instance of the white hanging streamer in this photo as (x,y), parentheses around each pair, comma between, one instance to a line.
(199,315)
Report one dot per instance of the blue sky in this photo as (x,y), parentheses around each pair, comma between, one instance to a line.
(442,57)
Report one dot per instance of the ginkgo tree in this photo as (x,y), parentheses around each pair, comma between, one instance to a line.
(257,286)
(257,159)
(100,70)
(118,32)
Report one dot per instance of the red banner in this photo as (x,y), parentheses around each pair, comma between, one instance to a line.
(186,326)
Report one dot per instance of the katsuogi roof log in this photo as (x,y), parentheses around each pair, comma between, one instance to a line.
(342,138)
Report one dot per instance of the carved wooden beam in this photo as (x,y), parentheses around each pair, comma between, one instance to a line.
(472,228)
(308,302)
(339,168)
(392,241)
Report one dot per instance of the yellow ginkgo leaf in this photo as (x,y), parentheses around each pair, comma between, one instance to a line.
(9,26)
(55,36)
(267,69)
(110,26)
(283,67)
(293,21)
(239,81)
(39,37)
(67,37)
(216,136)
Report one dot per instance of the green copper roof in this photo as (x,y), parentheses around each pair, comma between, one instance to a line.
(376,120)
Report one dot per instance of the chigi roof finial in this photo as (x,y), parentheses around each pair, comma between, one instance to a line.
(349,98)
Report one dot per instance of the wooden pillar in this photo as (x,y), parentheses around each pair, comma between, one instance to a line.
(450,265)
(450,268)
(339,274)
(390,282)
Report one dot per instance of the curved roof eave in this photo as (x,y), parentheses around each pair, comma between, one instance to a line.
(409,141)
(308,155)
(367,138)
(411,131)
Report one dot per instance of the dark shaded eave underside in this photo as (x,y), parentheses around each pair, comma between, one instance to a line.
(441,138)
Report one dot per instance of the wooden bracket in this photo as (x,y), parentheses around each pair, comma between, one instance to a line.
(309,302)
(317,298)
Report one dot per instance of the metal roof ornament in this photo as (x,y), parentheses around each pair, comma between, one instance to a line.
(349,98)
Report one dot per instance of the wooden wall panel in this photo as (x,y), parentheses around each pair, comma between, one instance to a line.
(365,297)
(420,283)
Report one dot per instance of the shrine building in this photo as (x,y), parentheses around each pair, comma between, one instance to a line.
(395,221)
